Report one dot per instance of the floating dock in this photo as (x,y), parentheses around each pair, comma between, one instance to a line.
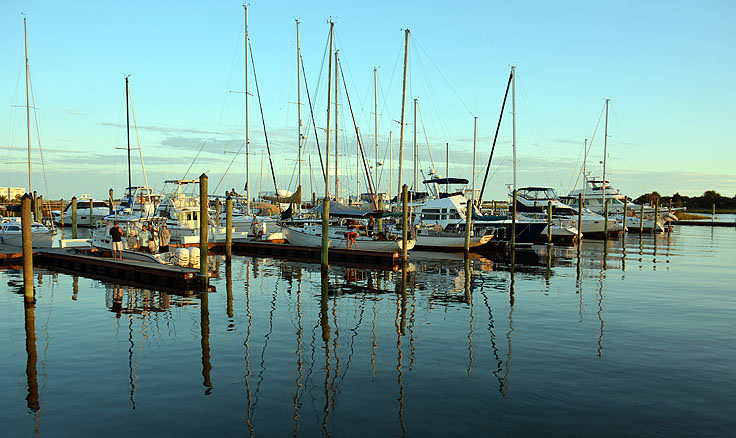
(86,263)
(309,254)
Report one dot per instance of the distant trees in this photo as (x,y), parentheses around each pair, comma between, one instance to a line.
(704,202)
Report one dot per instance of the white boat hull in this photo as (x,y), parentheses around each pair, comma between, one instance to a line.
(301,238)
(39,239)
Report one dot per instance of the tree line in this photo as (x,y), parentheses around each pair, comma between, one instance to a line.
(692,203)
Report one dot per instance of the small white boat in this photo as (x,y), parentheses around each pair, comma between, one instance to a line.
(311,235)
(100,209)
(11,234)
(437,238)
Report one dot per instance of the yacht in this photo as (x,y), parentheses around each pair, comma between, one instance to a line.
(100,209)
(11,234)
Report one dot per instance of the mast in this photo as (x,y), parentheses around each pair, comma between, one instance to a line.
(337,178)
(299,101)
(403,106)
(329,101)
(28,107)
(447,167)
(414,183)
(585,158)
(605,153)
(127,131)
(513,117)
(375,113)
(247,130)
(475,136)
(390,164)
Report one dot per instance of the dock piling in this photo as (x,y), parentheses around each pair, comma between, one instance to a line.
(74,217)
(713,215)
(468,226)
(325,233)
(605,219)
(203,222)
(513,221)
(229,226)
(405,222)
(626,211)
(27,248)
(34,206)
(580,221)
(641,220)
(380,219)
(91,216)
(549,222)
(112,202)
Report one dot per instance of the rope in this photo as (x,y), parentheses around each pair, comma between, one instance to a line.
(263,120)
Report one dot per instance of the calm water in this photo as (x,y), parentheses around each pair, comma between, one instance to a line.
(633,338)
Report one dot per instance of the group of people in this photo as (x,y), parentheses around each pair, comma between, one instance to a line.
(150,239)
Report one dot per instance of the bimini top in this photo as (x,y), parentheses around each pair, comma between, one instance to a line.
(338,209)
(446,181)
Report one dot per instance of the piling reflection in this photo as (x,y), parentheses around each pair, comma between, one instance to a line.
(32,399)
(400,324)
(205,336)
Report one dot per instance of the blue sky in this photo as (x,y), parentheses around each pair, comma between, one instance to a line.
(668,68)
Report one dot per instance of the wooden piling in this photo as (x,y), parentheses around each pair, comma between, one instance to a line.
(324,259)
(626,211)
(656,215)
(74,217)
(27,239)
(34,206)
(314,199)
(405,222)
(203,223)
(112,201)
(468,226)
(61,209)
(580,220)
(605,220)
(380,219)
(91,210)
(218,209)
(229,226)
(713,216)
(549,222)
(39,208)
(641,220)
(513,221)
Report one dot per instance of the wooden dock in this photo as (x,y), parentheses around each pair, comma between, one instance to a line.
(86,263)
(10,255)
(308,254)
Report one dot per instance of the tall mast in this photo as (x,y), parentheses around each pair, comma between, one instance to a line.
(375,113)
(299,100)
(447,166)
(247,130)
(513,117)
(390,164)
(605,153)
(414,183)
(127,131)
(329,102)
(585,158)
(403,106)
(475,136)
(28,107)
(337,172)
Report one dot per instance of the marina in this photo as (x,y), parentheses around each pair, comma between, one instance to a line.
(384,219)
(275,348)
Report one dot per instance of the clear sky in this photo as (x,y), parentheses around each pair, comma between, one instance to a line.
(667,66)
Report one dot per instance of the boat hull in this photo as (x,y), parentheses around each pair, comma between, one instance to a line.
(301,238)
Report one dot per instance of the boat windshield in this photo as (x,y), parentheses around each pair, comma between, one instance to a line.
(538,194)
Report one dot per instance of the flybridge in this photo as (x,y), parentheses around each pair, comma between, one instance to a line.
(181,181)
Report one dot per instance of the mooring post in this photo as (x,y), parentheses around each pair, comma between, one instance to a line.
(39,208)
(61,209)
(669,210)
(513,221)
(25,219)
(626,211)
(229,225)
(713,215)
(493,207)
(112,201)
(203,222)
(325,233)
(405,221)
(641,220)
(218,209)
(314,199)
(468,225)
(605,219)
(380,219)
(34,206)
(91,216)
(580,220)
(74,217)
(656,215)
(549,222)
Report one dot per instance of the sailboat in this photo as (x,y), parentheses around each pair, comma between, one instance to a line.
(11,229)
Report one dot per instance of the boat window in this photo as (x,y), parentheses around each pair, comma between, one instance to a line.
(431,210)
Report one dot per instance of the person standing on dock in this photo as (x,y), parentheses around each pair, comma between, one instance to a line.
(117,241)
(143,237)
(163,238)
